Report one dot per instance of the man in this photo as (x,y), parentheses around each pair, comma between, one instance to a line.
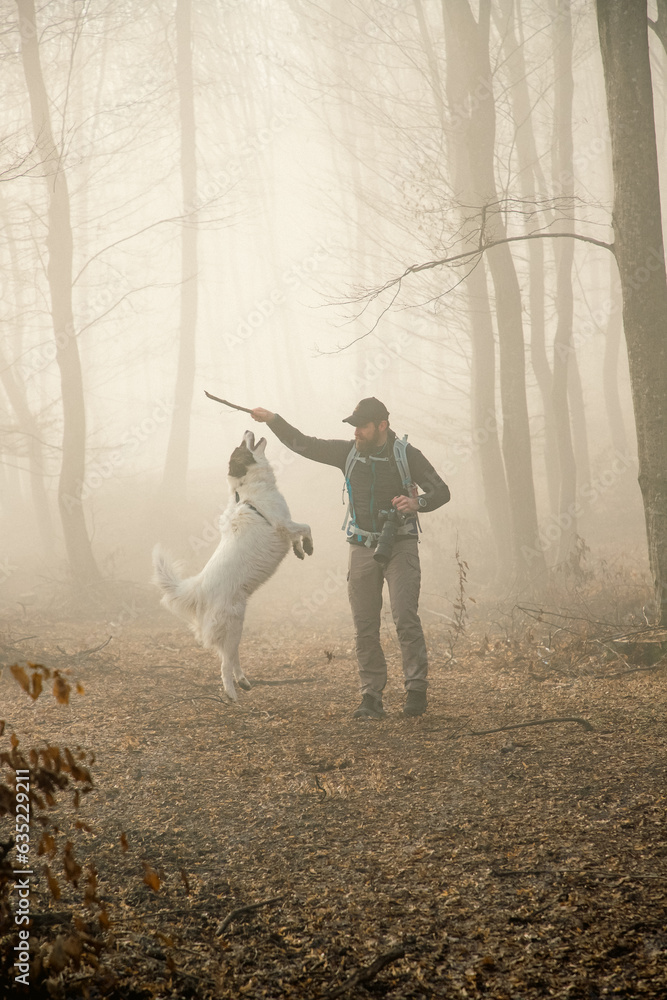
(381,474)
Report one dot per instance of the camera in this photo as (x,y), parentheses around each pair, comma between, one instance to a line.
(393,519)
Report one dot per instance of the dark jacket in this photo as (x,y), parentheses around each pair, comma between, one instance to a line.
(374,481)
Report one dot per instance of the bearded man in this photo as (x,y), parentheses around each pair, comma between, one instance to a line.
(383,474)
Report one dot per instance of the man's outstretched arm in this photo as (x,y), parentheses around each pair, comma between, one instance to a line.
(329,452)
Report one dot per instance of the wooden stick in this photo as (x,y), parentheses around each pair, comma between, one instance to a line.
(240,910)
(365,975)
(524,725)
(227,403)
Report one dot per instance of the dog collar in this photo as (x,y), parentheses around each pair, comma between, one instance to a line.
(248,504)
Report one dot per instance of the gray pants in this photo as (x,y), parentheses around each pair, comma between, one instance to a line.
(365,581)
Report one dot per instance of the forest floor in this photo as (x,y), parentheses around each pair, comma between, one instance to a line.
(413,857)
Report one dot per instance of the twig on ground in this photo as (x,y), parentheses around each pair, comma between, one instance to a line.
(288,680)
(85,652)
(240,910)
(524,725)
(572,871)
(366,975)
(630,670)
(532,612)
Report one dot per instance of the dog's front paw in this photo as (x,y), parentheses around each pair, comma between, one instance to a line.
(308,545)
(298,551)
(244,683)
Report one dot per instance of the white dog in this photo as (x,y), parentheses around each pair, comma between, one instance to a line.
(255,535)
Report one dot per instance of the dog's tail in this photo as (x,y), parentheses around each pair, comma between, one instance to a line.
(164,572)
(178,593)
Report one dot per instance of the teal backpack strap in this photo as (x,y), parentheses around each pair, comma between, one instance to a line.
(352,457)
(401,459)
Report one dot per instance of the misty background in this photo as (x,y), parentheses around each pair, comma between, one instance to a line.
(243,183)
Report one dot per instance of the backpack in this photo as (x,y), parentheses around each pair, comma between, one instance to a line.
(401,459)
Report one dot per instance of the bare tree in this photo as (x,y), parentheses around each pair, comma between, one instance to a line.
(533,188)
(176,464)
(564,250)
(483,369)
(639,248)
(612,344)
(59,270)
(470,37)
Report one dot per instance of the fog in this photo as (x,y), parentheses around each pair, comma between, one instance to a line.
(255,207)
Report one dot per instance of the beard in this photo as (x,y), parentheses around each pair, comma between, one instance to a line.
(366,448)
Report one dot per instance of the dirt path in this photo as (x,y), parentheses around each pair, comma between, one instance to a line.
(519,864)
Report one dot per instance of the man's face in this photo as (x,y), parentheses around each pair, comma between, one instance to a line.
(370,437)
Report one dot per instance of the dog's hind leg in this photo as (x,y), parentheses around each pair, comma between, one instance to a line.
(227,643)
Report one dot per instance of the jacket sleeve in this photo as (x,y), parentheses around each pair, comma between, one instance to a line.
(328,451)
(435,489)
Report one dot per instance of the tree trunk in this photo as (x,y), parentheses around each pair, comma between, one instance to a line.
(564,251)
(623,31)
(59,272)
(176,463)
(483,369)
(578,422)
(17,395)
(28,426)
(614,332)
(533,188)
(472,39)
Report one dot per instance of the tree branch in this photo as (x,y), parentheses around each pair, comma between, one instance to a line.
(366,975)
(458,258)
(524,725)
(240,910)
(484,247)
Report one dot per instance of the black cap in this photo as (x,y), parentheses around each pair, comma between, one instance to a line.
(367,410)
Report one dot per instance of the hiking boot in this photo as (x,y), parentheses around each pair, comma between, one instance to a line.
(415,703)
(370,708)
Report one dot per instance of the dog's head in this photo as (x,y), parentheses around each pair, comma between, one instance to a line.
(247,457)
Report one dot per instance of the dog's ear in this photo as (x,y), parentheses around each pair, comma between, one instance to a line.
(259,448)
(248,441)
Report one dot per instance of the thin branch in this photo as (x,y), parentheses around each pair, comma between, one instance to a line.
(631,670)
(483,248)
(366,975)
(524,725)
(85,652)
(571,871)
(240,910)
(459,258)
